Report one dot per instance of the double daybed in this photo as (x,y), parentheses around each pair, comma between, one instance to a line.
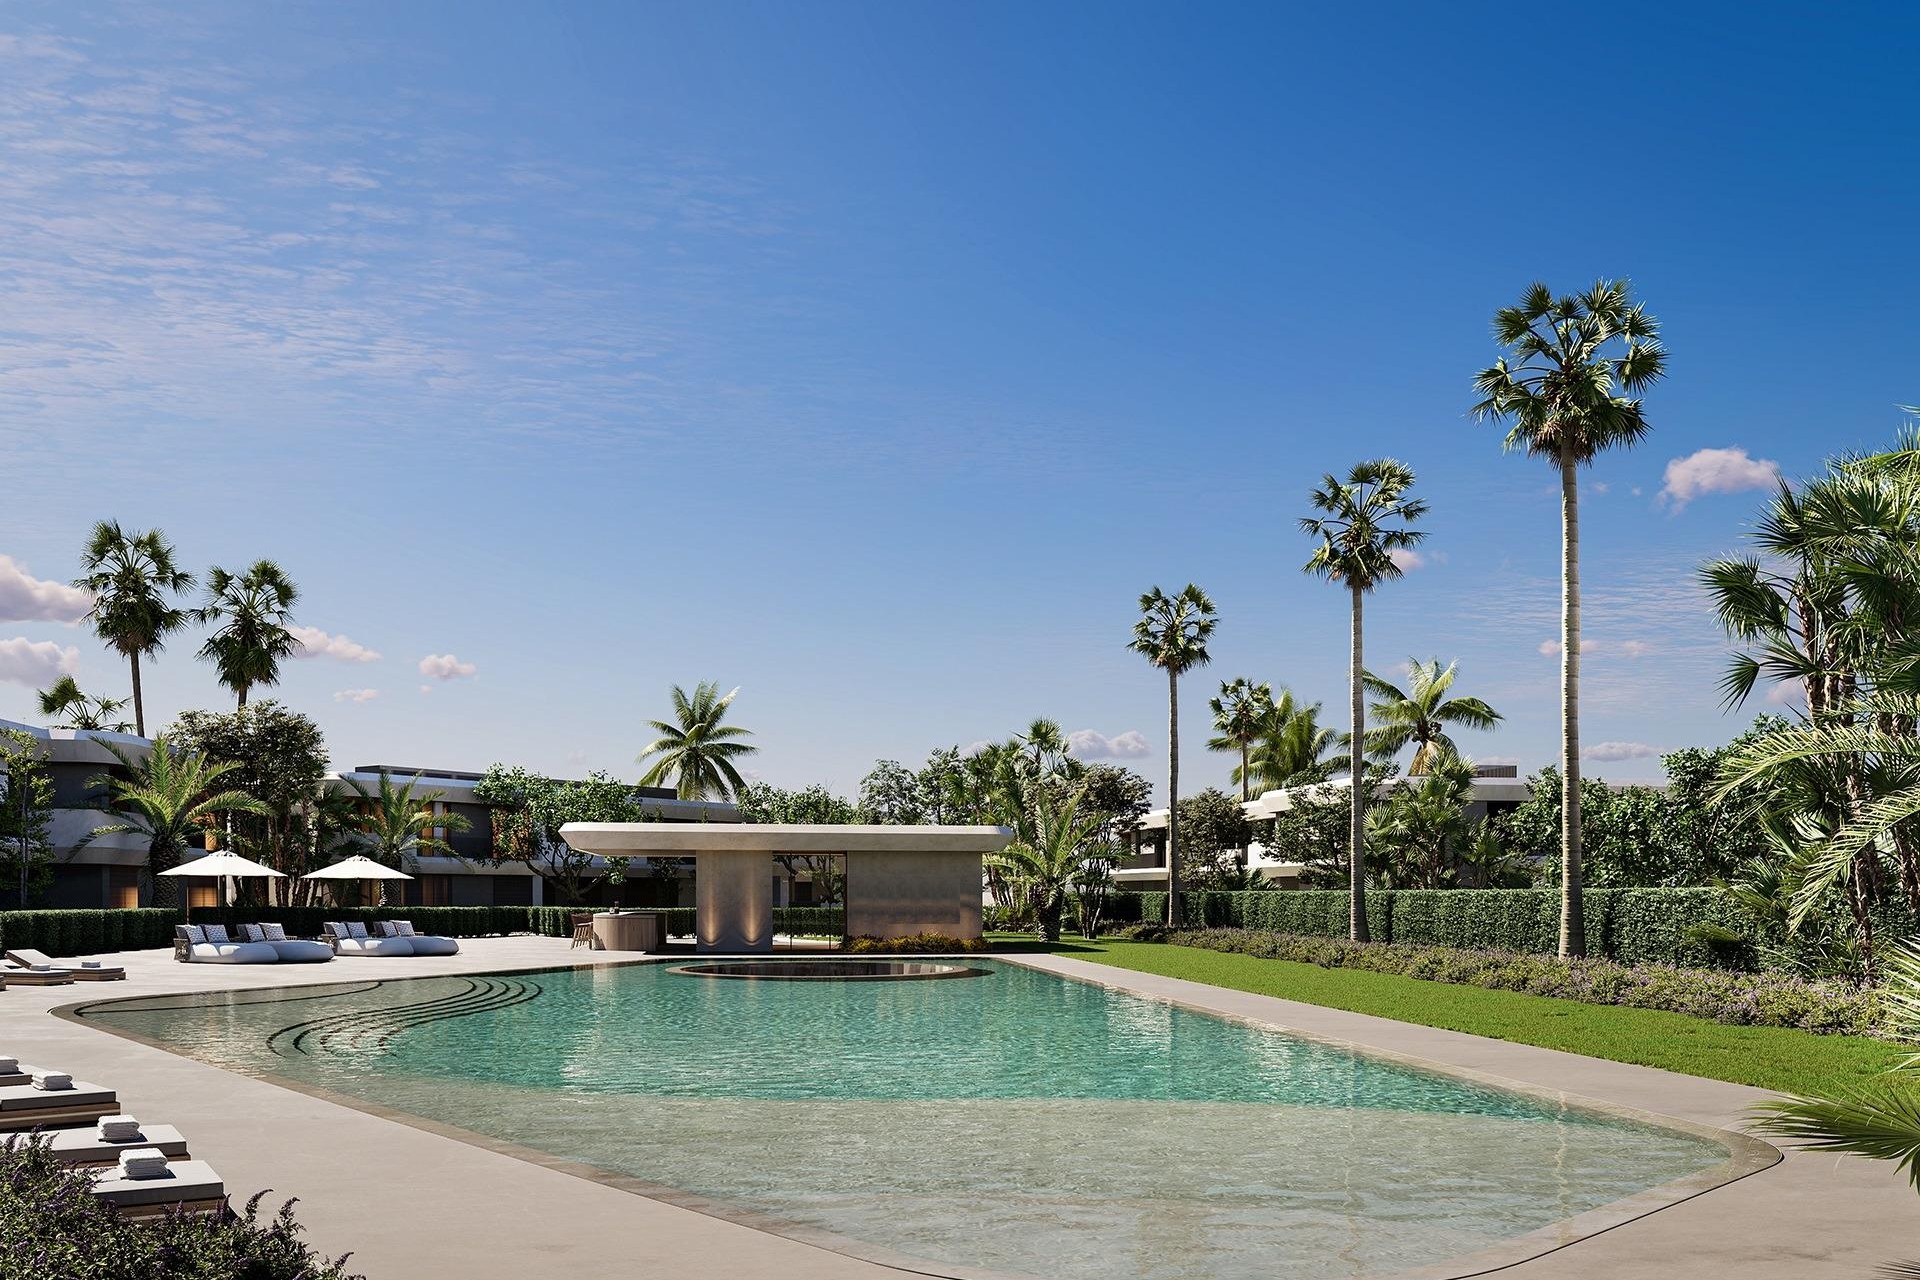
(269,943)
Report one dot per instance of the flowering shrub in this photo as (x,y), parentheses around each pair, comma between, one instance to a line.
(1743,999)
(51,1225)
(919,942)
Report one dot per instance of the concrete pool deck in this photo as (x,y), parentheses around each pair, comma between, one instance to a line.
(410,1201)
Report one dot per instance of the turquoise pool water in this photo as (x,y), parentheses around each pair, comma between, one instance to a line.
(1013,1122)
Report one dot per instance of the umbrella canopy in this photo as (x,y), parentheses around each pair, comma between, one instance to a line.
(223,863)
(358,867)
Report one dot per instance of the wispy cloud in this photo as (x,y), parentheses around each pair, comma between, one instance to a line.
(25,598)
(1609,752)
(1089,744)
(36,663)
(315,643)
(356,695)
(1707,471)
(444,666)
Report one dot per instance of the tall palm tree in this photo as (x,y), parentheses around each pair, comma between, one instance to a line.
(255,611)
(169,797)
(697,750)
(1363,520)
(1293,747)
(1421,713)
(1239,714)
(1172,634)
(79,710)
(131,576)
(1569,392)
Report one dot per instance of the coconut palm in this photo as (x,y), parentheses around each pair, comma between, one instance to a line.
(78,710)
(1420,714)
(1172,634)
(1044,867)
(697,750)
(1240,713)
(1293,748)
(1362,522)
(255,611)
(1569,392)
(169,797)
(131,576)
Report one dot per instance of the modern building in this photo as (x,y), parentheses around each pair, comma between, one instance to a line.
(104,871)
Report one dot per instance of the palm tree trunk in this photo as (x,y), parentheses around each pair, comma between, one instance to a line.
(1356,771)
(1174,914)
(1573,917)
(139,707)
(242,704)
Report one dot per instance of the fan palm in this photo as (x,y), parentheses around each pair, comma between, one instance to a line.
(1363,521)
(131,576)
(1172,634)
(168,797)
(78,710)
(254,610)
(1421,713)
(1044,744)
(1045,866)
(697,749)
(1239,714)
(1568,393)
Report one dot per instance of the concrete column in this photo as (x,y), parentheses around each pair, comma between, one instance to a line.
(733,901)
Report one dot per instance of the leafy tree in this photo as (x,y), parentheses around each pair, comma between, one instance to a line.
(279,757)
(698,749)
(78,710)
(1172,634)
(169,796)
(254,611)
(1362,522)
(1240,714)
(762,802)
(893,795)
(1420,714)
(1217,835)
(1114,795)
(1568,390)
(26,813)
(1314,830)
(529,810)
(132,576)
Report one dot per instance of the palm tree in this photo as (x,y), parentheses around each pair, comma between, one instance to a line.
(1293,747)
(397,827)
(1239,715)
(255,612)
(697,750)
(80,710)
(1363,520)
(1421,713)
(1567,397)
(1045,866)
(131,576)
(169,797)
(1172,634)
(1045,744)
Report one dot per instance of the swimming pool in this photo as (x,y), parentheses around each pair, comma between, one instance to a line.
(1014,1122)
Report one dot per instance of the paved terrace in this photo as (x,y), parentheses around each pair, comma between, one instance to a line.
(412,1202)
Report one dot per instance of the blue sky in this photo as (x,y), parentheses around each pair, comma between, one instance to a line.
(875,357)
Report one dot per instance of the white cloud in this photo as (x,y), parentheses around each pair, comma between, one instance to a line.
(426,688)
(315,643)
(975,748)
(1512,760)
(1600,486)
(25,598)
(1612,751)
(356,695)
(1716,471)
(1089,744)
(36,663)
(444,666)
(1790,693)
(1551,648)
(1407,558)
(1635,648)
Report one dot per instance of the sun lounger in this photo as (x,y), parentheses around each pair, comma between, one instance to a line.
(14,1072)
(288,950)
(35,978)
(31,961)
(352,940)
(87,1147)
(423,944)
(23,1106)
(199,946)
(188,1185)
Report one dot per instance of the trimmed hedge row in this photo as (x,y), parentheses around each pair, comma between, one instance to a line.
(1631,926)
(1740,999)
(79,933)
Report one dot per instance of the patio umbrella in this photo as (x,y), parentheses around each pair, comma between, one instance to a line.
(358,867)
(224,863)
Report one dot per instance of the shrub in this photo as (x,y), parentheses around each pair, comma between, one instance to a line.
(1764,999)
(919,942)
(51,1225)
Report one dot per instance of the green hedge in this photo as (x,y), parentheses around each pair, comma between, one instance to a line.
(1631,926)
(80,933)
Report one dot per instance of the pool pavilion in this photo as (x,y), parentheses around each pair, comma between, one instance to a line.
(900,880)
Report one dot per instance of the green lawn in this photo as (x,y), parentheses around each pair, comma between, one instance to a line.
(1767,1057)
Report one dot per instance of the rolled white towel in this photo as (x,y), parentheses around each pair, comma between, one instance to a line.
(52,1080)
(118,1128)
(143,1162)
(9,1066)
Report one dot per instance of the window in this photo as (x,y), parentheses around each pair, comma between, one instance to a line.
(202,895)
(436,891)
(123,887)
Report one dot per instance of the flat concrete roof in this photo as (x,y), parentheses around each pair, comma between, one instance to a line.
(620,839)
